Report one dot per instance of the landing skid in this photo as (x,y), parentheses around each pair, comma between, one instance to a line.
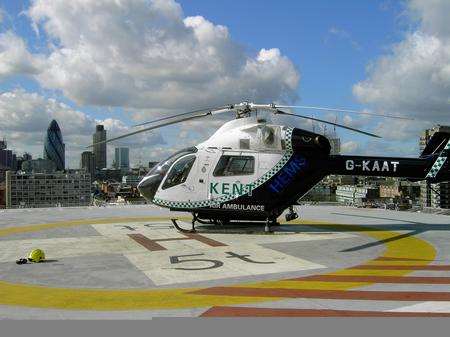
(182,230)
(267,228)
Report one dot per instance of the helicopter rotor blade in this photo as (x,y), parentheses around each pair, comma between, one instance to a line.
(208,113)
(230,106)
(326,122)
(340,110)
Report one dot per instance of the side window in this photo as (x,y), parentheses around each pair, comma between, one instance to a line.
(234,166)
(179,172)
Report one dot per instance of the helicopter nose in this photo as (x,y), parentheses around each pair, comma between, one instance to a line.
(149,185)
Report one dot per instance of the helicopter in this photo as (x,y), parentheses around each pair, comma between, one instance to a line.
(253,170)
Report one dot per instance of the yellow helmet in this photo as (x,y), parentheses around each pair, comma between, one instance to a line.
(36,255)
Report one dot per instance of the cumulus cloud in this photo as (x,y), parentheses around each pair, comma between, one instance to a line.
(414,78)
(24,118)
(145,54)
(15,58)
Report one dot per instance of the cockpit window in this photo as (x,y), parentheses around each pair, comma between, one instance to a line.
(234,166)
(179,172)
(162,167)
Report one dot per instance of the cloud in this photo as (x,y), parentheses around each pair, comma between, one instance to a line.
(24,118)
(350,147)
(146,55)
(15,58)
(343,35)
(414,78)
(433,15)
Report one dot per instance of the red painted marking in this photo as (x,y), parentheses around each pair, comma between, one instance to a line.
(153,245)
(205,240)
(327,294)
(277,312)
(403,267)
(375,279)
(146,242)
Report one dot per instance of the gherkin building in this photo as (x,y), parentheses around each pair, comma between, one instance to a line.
(54,148)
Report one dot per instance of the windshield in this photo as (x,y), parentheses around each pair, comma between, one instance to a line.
(162,167)
(179,172)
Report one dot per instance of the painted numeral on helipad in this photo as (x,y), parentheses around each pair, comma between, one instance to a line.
(245,258)
(176,260)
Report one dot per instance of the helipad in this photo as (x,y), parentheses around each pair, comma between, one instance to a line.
(129,262)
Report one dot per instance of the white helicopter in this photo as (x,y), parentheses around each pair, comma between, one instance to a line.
(253,170)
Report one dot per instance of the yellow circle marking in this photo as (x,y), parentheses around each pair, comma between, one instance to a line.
(109,299)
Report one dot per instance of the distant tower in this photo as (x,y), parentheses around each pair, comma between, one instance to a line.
(122,158)
(99,149)
(88,163)
(54,148)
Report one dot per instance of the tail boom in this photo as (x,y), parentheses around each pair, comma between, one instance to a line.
(411,168)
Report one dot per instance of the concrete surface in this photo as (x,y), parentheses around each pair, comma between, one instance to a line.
(127,262)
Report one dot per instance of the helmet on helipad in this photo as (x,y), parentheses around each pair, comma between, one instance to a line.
(36,255)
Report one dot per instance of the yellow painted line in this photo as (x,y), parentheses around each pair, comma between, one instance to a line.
(135,299)
(91,299)
(409,247)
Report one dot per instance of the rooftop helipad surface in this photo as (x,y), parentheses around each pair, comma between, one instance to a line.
(129,262)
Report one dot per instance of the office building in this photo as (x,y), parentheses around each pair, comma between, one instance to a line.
(122,158)
(35,190)
(99,149)
(54,148)
(434,195)
(131,180)
(2,195)
(88,163)
(39,166)
(109,174)
(8,159)
(357,195)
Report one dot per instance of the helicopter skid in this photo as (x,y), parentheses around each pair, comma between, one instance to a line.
(180,229)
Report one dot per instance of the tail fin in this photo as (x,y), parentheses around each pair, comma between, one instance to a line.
(440,171)
(436,144)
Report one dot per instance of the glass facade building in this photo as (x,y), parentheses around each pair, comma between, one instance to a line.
(122,158)
(54,148)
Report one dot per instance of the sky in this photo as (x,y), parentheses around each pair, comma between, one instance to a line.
(120,62)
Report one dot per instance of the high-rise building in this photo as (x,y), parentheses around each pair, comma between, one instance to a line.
(54,148)
(88,163)
(99,149)
(122,158)
(8,160)
(434,195)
